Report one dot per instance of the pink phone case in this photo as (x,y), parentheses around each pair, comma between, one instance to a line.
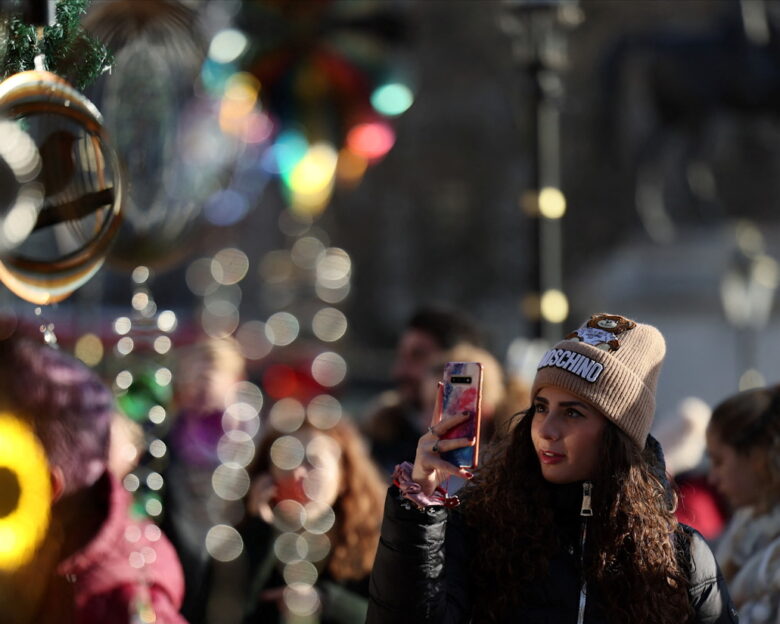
(462,392)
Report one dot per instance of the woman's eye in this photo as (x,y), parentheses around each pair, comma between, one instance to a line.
(539,408)
(572,413)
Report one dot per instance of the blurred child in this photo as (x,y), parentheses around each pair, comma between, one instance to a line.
(95,563)
(204,378)
(683,439)
(329,493)
(743,440)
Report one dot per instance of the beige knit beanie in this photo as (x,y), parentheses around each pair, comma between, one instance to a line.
(612,363)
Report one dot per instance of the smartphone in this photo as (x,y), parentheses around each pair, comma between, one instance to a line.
(462,392)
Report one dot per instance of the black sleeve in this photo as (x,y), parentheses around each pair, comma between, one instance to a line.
(420,572)
(708,592)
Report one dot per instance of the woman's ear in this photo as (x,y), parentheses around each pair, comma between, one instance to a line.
(57,483)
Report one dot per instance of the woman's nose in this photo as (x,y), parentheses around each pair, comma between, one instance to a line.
(550,429)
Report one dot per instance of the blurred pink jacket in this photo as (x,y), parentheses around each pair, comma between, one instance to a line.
(100,584)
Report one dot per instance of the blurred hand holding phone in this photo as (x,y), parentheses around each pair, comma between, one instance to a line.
(462,394)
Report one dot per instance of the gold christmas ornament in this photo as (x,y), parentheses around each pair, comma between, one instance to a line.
(80,182)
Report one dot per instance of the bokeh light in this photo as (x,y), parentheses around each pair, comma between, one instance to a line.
(329,369)
(287,415)
(219,318)
(131,482)
(371,140)
(230,483)
(236,449)
(287,452)
(311,180)
(306,251)
(249,393)
(324,411)
(289,148)
(334,268)
(227,45)
(234,265)
(552,203)
(289,515)
(157,448)
(318,546)
(554,306)
(332,295)
(282,328)
(224,543)
(290,547)
(301,599)
(166,321)
(300,572)
(199,278)
(329,324)
(392,99)
(89,349)
(319,520)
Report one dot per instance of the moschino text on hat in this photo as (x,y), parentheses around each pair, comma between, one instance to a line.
(575,363)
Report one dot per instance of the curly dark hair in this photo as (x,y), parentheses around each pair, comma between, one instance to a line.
(631,558)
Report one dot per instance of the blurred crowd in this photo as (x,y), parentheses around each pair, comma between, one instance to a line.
(310,506)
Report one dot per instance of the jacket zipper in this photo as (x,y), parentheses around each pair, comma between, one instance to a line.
(586,511)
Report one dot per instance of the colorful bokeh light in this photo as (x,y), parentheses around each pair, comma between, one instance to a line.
(371,140)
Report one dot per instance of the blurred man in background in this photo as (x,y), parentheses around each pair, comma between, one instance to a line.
(394,423)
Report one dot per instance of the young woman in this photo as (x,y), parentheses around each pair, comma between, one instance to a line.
(314,510)
(743,441)
(570,520)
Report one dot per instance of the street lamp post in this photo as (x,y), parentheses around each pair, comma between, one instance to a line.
(747,290)
(536,28)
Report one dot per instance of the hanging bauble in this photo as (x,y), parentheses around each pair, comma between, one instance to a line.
(81,183)
(21,195)
(166,133)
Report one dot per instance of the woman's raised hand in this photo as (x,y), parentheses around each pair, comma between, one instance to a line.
(261,493)
(430,470)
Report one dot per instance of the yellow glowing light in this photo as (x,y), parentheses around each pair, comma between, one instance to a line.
(89,349)
(554,306)
(22,456)
(552,203)
(312,179)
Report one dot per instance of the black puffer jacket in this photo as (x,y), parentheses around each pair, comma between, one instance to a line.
(422,569)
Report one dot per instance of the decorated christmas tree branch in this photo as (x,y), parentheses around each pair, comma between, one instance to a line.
(67,49)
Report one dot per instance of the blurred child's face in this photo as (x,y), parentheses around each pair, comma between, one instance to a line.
(737,476)
(318,478)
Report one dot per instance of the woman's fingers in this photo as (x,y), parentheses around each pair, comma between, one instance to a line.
(436,416)
(443,426)
(443,467)
(442,446)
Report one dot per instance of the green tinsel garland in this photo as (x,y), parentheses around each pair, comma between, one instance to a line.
(69,51)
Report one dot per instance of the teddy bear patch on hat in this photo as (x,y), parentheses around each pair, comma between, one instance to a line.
(602,331)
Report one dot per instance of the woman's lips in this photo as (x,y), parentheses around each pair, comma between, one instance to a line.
(550,457)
